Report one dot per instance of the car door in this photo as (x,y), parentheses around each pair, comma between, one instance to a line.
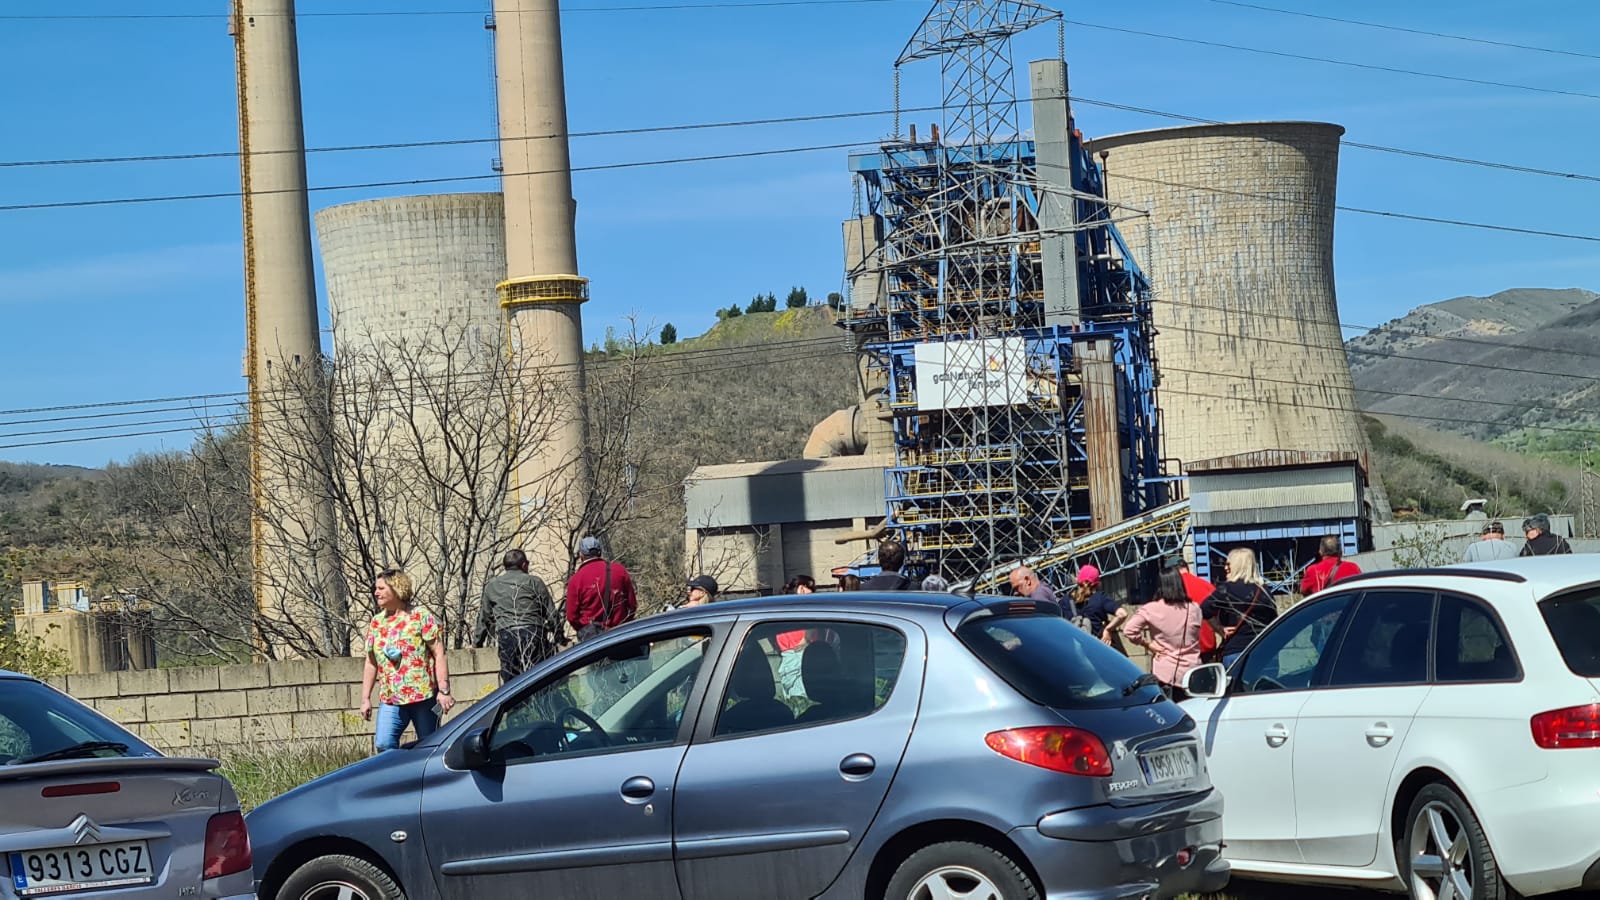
(1250,733)
(1353,727)
(571,790)
(786,774)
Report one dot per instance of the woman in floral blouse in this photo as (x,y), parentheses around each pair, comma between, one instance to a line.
(405,658)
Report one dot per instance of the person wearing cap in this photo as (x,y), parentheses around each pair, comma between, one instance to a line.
(1540,541)
(1102,610)
(599,594)
(518,611)
(1492,546)
(702,590)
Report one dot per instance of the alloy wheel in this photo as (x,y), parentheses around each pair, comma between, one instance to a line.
(1441,855)
(955,883)
(335,890)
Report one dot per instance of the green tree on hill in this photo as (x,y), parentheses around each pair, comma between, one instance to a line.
(836,301)
(763,303)
(796,299)
(669,334)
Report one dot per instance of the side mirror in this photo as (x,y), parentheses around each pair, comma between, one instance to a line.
(1209,681)
(471,752)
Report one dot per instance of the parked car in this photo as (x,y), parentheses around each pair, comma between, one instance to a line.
(91,808)
(1435,731)
(929,745)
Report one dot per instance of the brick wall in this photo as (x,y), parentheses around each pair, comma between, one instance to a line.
(204,708)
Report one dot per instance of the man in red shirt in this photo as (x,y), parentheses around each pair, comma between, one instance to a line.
(1198,589)
(599,594)
(1329,569)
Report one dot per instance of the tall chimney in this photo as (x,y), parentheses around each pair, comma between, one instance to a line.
(296,581)
(542,293)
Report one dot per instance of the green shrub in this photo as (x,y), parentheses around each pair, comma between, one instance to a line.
(262,771)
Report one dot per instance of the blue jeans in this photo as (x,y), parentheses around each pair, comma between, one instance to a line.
(393,718)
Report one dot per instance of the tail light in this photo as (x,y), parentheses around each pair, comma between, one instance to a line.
(1564,729)
(1060,749)
(227,845)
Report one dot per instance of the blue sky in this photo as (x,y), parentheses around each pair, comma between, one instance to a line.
(145,300)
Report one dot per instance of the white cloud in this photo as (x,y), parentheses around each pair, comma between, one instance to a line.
(118,274)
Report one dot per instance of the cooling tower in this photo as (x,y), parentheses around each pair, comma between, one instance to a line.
(1238,245)
(402,267)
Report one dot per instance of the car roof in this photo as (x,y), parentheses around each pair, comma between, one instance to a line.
(1544,575)
(6,674)
(875,601)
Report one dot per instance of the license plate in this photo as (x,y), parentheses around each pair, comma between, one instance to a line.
(66,869)
(1172,764)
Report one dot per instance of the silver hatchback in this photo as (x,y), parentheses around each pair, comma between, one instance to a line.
(904,746)
(89,809)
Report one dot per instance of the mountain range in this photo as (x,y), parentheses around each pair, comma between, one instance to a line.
(1488,367)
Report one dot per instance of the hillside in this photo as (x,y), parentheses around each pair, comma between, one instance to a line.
(1486,367)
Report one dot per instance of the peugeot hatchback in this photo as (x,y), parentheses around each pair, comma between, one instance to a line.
(906,746)
(91,809)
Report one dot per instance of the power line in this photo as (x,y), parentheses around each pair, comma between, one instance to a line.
(434,13)
(1379,148)
(1393,70)
(408,182)
(458,142)
(1419,31)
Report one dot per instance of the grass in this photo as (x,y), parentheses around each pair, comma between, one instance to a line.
(262,771)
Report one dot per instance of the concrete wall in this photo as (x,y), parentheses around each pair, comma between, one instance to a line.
(202,709)
(1239,248)
(397,266)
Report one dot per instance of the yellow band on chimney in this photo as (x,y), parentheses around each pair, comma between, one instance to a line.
(543,289)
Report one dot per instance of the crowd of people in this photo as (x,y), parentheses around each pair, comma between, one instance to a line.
(1185,621)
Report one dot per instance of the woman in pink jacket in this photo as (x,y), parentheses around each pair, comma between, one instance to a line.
(1169,627)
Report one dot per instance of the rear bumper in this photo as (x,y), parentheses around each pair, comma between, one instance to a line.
(1153,850)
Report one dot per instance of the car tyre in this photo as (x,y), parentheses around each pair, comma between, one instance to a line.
(1444,853)
(339,877)
(960,869)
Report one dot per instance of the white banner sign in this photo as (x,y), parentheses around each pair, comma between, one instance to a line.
(967,374)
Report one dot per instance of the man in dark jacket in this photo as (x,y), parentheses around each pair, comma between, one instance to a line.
(599,594)
(1540,541)
(517,608)
(891,556)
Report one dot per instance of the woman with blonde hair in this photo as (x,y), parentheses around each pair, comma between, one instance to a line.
(1241,606)
(405,659)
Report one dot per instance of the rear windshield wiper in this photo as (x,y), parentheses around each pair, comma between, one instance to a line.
(1145,680)
(83,748)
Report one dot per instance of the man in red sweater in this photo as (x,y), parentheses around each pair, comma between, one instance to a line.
(599,593)
(1330,568)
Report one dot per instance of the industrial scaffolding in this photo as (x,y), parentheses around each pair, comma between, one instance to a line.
(1022,396)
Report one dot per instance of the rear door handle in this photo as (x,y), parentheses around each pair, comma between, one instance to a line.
(857,766)
(1379,734)
(638,788)
(1277,736)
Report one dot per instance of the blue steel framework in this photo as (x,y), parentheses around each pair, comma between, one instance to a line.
(980,485)
(1282,551)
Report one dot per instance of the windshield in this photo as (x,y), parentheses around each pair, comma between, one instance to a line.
(38,723)
(1055,663)
(1574,622)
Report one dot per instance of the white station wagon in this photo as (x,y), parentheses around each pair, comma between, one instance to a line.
(1435,731)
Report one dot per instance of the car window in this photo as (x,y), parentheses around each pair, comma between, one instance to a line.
(800,674)
(1286,657)
(1469,644)
(1053,662)
(1574,622)
(1387,640)
(36,720)
(631,695)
